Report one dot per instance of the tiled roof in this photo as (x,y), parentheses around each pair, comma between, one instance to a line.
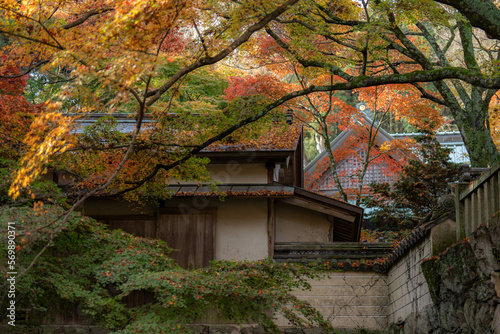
(279,138)
(274,139)
(232,190)
(412,239)
(334,255)
(452,140)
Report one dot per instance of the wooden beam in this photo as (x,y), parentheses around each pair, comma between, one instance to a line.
(323,208)
(271,226)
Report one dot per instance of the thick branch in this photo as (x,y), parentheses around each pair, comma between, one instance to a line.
(86,16)
(444,61)
(480,13)
(5,32)
(309,63)
(26,72)
(366,81)
(207,60)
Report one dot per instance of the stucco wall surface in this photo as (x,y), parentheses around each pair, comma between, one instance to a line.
(349,300)
(296,224)
(241,230)
(408,290)
(233,172)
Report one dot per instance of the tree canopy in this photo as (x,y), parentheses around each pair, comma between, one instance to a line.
(135,57)
(416,192)
(106,273)
(177,61)
(408,42)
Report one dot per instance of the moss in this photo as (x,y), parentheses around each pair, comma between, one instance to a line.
(395,329)
(432,277)
(363,331)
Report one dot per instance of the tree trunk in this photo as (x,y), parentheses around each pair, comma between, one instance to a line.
(473,122)
(478,141)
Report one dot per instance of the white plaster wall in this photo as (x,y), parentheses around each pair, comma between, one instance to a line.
(408,290)
(241,230)
(349,300)
(233,172)
(296,224)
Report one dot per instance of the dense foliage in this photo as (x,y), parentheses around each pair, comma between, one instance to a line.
(122,56)
(423,181)
(141,57)
(99,271)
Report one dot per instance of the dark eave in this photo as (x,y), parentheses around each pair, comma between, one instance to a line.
(245,156)
(232,190)
(330,206)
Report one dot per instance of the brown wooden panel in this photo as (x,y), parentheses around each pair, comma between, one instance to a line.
(139,298)
(193,234)
(209,239)
(139,227)
(343,230)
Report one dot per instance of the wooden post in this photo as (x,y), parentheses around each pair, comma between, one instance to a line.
(271,226)
(467,215)
(486,201)
(474,213)
(460,211)
(493,196)
(480,207)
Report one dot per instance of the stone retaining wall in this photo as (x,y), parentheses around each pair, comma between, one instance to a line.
(464,287)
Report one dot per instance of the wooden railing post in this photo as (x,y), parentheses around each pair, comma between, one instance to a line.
(478,201)
(494,193)
(460,211)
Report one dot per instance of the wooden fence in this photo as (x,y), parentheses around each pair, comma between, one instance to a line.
(478,202)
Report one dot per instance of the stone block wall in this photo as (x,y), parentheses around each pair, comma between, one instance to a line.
(349,300)
(408,290)
(462,282)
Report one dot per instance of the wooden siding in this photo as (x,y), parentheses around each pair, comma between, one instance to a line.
(343,230)
(142,226)
(193,234)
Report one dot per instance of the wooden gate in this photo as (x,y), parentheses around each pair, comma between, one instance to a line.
(192,233)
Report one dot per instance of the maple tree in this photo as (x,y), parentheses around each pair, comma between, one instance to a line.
(326,116)
(16,114)
(114,73)
(494,111)
(386,42)
(136,56)
(357,150)
(98,271)
(124,56)
(124,69)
